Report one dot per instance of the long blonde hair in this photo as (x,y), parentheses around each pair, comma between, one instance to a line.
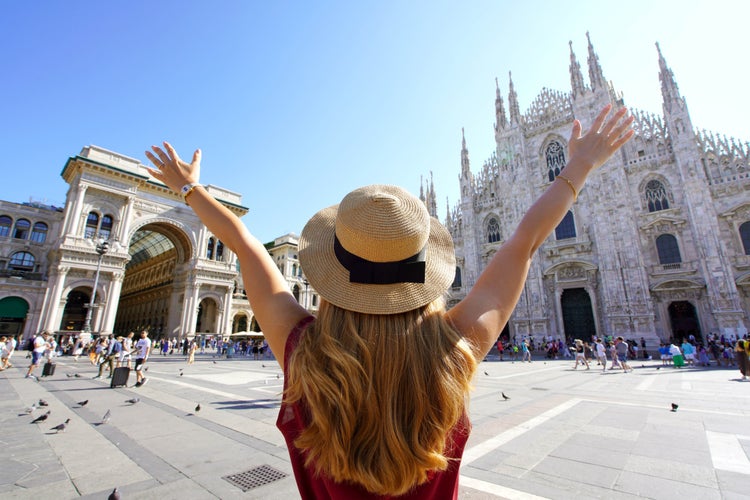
(383,393)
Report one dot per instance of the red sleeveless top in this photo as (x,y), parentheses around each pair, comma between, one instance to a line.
(294,418)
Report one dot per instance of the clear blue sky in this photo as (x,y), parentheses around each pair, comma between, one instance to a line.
(296,103)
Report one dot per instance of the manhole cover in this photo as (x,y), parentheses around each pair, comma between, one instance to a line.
(255,477)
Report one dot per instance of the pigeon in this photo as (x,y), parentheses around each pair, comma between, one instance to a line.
(30,409)
(198,407)
(181,374)
(132,401)
(504,396)
(214,362)
(658,367)
(69,375)
(60,427)
(675,406)
(77,375)
(43,403)
(278,376)
(106,417)
(41,418)
(487,374)
(83,403)
(115,495)
(262,365)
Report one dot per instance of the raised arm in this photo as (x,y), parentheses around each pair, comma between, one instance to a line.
(483,313)
(274,306)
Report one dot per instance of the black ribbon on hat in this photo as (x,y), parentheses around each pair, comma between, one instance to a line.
(409,270)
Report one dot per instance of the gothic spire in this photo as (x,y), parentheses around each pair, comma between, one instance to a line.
(465,166)
(501,121)
(596,76)
(515,112)
(576,77)
(669,92)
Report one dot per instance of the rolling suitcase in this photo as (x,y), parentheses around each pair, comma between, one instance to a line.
(120,377)
(49,369)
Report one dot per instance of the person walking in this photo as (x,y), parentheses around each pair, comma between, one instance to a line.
(580,355)
(193,346)
(384,360)
(110,357)
(40,346)
(142,350)
(621,347)
(601,353)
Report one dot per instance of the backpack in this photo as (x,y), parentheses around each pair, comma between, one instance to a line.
(30,344)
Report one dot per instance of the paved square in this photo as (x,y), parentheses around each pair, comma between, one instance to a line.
(563,433)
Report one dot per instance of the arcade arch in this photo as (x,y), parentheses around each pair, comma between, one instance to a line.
(151,297)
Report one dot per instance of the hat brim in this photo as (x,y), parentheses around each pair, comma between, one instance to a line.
(331,280)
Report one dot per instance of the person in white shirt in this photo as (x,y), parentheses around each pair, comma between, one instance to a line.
(127,347)
(41,344)
(601,354)
(142,349)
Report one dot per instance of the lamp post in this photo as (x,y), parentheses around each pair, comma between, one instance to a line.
(101,248)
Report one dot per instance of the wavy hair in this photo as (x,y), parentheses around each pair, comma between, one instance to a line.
(383,393)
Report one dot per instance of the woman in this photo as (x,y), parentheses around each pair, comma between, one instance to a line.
(743,363)
(580,354)
(375,387)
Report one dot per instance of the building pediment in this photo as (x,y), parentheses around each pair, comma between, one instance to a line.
(662,223)
(570,268)
(741,211)
(682,284)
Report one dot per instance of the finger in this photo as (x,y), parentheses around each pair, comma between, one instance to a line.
(172,153)
(576,132)
(153,159)
(597,125)
(614,121)
(621,127)
(161,154)
(197,156)
(622,140)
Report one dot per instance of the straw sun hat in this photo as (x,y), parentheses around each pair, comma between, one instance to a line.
(377,252)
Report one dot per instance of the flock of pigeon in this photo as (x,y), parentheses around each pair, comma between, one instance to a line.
(61,427)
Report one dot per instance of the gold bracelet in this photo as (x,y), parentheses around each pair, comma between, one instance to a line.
(570,184)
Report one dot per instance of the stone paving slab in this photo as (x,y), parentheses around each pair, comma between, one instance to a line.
(607,436)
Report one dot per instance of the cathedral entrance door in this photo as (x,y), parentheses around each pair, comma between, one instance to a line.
(684,321)
(578,316)
(74,314)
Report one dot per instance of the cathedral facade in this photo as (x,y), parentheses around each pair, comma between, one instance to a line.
(657,245)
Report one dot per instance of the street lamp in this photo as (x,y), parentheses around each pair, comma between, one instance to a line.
(307,301)
(101,248)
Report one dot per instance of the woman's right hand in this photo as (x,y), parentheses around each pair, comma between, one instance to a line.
(171,170)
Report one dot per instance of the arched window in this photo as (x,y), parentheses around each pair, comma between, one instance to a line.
(5,223)
(210,248)
(656,196)
(21,231)
(457,278)
(105,230)
(566,228)
(92,224)
(745,236)
(493,231)
(21,261)
(669,251)
(219,250)
(39,233)
(555,156)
